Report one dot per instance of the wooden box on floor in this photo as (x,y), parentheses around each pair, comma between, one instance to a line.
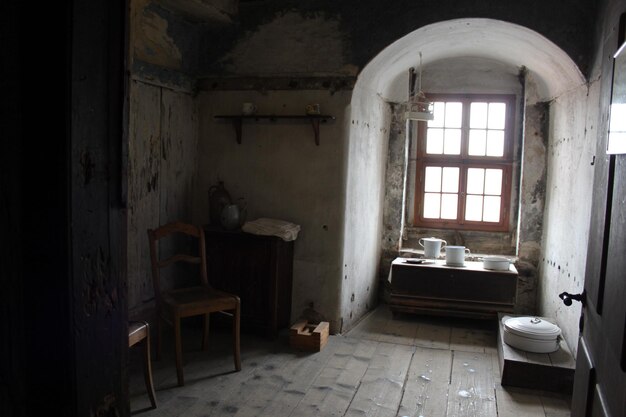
(540,371)
(311,337)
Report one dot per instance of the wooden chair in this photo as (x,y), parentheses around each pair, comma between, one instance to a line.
(200,299)
(139,331)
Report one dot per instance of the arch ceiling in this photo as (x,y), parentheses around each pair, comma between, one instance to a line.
(552,69)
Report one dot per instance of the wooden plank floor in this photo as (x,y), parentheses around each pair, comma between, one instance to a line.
(385,366)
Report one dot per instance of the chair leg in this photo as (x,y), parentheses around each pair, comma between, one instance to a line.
(205,330)
(179,352)
(159,336)
(147,372)
(236,350)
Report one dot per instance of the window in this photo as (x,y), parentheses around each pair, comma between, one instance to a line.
(464,163)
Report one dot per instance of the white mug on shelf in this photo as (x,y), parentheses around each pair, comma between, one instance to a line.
(248,108)
(455,255)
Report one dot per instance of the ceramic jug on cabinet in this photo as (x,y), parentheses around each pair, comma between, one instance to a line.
(218,199)
(234,215)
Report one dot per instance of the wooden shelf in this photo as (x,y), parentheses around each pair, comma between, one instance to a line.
(315,120)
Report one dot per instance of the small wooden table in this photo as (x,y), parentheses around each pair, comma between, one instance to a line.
(435,288)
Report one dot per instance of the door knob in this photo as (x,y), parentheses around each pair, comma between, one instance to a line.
(568,298)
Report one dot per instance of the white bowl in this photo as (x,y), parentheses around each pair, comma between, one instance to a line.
(496,263)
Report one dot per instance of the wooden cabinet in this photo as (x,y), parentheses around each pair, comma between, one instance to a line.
(259,270)
(435,288)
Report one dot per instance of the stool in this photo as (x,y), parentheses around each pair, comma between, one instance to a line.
(140,331)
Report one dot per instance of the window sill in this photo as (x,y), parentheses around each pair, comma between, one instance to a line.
(474,257)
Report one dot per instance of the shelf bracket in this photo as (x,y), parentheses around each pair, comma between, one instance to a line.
(316,129)
(237,122)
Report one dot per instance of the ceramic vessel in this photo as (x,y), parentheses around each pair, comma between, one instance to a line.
(218,199)
(455,255)
(432,246)
(531,334)
(496,263)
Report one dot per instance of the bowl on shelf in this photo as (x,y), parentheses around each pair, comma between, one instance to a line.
(496,263)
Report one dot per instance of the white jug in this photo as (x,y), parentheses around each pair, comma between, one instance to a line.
(432,246)
(455,255)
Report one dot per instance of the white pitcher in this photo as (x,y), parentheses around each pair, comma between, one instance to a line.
(432,246)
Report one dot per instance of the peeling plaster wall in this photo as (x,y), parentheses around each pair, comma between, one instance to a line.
(571,148)
(290,44)
(364,193)
(282,174)
(149,38)
(162,168)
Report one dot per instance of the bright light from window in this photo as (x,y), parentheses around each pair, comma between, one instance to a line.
(432,205)
(474,208)
(497,115)
(452,142)
(450,182)
(449,206)
(495,142)
(478,115)
(493,182)
(491,210)
(432,181)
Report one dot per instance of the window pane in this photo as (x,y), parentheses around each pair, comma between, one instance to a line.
(452,142)
(454,114)
(432,180)
(477,142)
(497,115)
(439,111)
(478,115)
(434,141)
(474,208)
(493,181)
(431,205)
(492,209)
(495,143)
(475,180)
(449,203)
(450,183)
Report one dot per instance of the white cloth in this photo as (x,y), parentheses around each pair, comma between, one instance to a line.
(272,227)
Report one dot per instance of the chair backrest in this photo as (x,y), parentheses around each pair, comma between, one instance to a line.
(169,230)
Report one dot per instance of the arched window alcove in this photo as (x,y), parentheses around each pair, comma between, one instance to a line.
(459,56)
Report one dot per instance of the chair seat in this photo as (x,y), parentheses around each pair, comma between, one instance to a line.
(198,300)
(137,331)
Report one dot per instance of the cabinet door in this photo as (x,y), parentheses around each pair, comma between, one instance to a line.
(240,264)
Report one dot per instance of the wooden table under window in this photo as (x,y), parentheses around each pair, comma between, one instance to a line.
(467,291)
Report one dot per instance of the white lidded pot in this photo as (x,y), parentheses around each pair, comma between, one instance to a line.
(531,334)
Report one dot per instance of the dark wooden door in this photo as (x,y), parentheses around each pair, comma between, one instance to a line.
(600,379)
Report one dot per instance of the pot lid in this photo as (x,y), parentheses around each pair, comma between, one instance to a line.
(532,327)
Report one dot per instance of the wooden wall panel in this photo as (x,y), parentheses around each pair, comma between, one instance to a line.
(179,150)
(162,172)
(144,160)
